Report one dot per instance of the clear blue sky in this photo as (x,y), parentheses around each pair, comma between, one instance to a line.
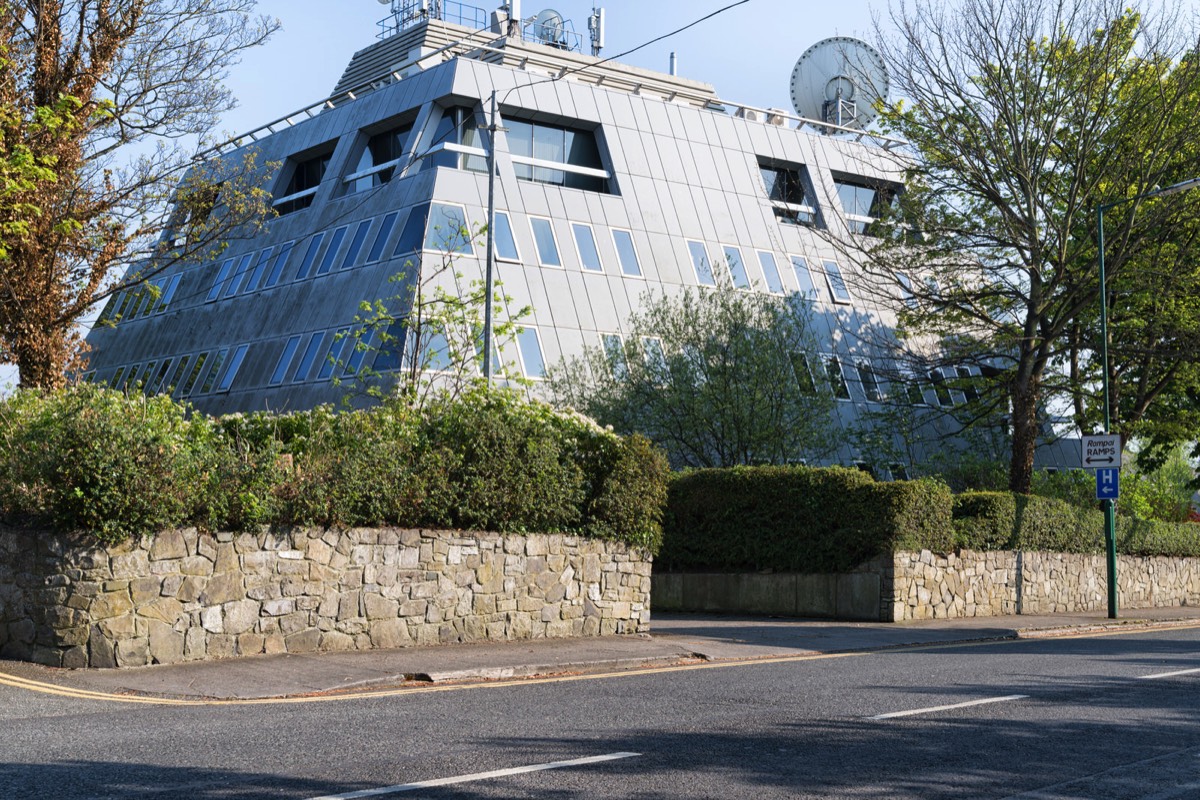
(747,53)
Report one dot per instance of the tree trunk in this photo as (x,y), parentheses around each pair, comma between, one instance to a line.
(1024,434)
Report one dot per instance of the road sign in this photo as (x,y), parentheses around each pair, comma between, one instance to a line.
(1108,483)
(1101,450)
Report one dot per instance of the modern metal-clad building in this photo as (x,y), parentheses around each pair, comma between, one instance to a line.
(611,180)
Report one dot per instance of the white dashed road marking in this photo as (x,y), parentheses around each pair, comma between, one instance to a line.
(1169,674)
(985,701)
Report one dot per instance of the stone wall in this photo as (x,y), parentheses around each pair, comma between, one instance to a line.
(184,595)
(926,585)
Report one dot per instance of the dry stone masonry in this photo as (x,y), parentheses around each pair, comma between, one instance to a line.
(927,585)
(184,595)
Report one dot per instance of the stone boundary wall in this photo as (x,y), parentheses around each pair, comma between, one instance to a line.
(184,595)
(926,585)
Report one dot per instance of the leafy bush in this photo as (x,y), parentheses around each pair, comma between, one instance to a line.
(97,460)
(798,518)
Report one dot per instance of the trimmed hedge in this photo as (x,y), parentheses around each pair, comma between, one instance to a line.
(96,460)
(798,519)
(1007,521)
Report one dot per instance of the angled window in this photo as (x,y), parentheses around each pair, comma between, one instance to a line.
(178,375)
(235,364)
(614,351)
(359,348)
(656,358)
(770,272)
(335,244)
(278,264)
(968,383)
(219,283)
(194,375)
(214,371)
(863,201)
(310,356)
(802,369)
(733,258)
(116,378)
(260,270)
(434,351)
(940,390)
(530,348)
(304,181)
(787,189)
(456,143)
(448,231)
(503,239)
(547,245)
(391,347)
(700,263)
(804,278)
(341,340)
(870,382)
(626,253)
(243,269)
(155,381)
(413,234)
(379,159)
(585,244)
(381,238)
(837,284)
(285,360)
(837,381)
(310,255)
(914,391)
(356,243)
(557,155)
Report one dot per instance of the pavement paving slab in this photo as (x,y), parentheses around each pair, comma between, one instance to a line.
(676,638)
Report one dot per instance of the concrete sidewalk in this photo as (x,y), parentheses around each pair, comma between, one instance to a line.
(676,638)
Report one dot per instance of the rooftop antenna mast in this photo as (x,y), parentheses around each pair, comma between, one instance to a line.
(596,29)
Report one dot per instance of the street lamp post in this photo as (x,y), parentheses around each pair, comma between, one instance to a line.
(1110,506)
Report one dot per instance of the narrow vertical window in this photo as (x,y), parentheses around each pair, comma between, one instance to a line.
(310,255)
(771,272)
(448,231)
(391,347)
(385,230)
(179,374)
(870,382)
(235,364)
(235,282)
(356,243)
(285,360)
(656,359)
(530,347)
(164,301)
(547,245)
(310,356)
(116,378)
(700,263)
(837,284)
(585,242)
(197,371)
(502,237)
(333,359)
(260,270)
(614,350)
(733,257)
(837,381)
(803,372)
(803,278)
(335,244)
(219,283)
(278,264)
(358,353)
(214,371)
(627,253)
(414,231)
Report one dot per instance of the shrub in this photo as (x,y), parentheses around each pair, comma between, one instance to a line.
(798,518)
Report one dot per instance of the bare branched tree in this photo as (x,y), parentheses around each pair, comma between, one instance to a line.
(102,104)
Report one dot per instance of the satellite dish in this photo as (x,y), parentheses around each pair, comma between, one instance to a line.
(548,27)
(839,80)
(385,2)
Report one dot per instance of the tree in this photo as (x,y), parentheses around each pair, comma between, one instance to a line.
(1021,118)
(99,102)
(716,377)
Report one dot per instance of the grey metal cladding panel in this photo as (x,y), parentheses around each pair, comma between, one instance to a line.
(566,99)
(704,169)
(648,203)
(601,312)
(532,201)
(691,215)
(576,206)
(583,287)
(722,224)
(630,156)
(559,300)
(587,107)
(656,116)
(670,160)
(623,114)
(666,260)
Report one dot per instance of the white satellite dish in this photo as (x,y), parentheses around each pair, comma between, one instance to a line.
(385,2)
(549,26)
(839,80)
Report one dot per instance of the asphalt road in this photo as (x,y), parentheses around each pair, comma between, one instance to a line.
(1059,718)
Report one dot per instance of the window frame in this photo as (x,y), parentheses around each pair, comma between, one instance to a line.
(741,261)
(533,220)
(331,252)
(541,351)
(468,248)
(637,260)
(692,245)
(832,359)
(576,227)
(765,257)
(512,235)
(840,280)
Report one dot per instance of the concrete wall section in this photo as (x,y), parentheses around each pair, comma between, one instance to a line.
(184,595)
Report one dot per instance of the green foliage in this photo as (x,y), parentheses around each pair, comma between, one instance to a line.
(798,519)
(97,460)
(711,376)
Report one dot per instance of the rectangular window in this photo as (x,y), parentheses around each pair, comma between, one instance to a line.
(164,300)
(143,378)
(585,242)
(235,364)
(837,284)
(391,347)
(547,245)
(614,350)
(837,381)
(803,372)
(359,348)
(914,391)
(333,359)
(967,383)
(530,347)
(278,264)
(385,230)
(940,390)
(310,255)
(123,307)
(870,382)
(356,243)
(285,360)
(627,253)
(414,231)
(197,371)
(260,270)
(786,190)
(448,231)
(380,157)
(771,272)
(155,383)
(863,202)
(456,132)
(435,351)
(700,263)
(235,282)
(116,378)
(302,186)
(803,278)
(552,154)
(310,356)
(656,359)
(503,239)
(179,374)
(733,258)
(219,283)
(335,244)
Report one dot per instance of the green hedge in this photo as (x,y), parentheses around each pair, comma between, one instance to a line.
(798,519)
(96,460)
(1007,521)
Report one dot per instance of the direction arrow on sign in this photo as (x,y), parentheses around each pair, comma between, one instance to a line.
(1101,450)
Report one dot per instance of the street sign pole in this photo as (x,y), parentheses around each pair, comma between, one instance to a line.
(1110,509)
